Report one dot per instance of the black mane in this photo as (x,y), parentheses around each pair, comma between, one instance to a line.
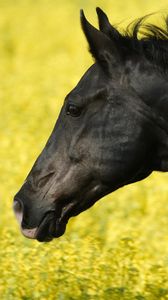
(145,39)
(148,31)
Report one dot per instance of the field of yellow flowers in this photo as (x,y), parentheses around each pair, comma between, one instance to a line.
(119,248)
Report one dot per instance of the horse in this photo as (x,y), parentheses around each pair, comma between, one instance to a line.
(112,129)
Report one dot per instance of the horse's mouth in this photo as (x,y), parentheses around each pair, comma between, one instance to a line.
(52,225)
(53,222)
(50,228)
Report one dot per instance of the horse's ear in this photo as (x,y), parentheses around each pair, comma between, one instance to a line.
(105,25)
(102,48)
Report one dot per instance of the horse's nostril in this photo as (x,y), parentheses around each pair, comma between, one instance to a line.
(18,209)
(44,179)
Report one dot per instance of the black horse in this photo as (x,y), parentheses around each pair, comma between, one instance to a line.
(112,129)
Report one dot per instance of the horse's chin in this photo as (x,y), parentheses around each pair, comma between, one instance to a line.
(47,232)
(53,226)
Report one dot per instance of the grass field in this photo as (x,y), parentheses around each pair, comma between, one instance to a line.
(119,248)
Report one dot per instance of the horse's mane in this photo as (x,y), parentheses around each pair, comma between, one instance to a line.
(145,38)
(148,31)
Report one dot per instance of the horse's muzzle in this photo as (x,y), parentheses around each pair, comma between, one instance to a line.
(48,228)
(18,210)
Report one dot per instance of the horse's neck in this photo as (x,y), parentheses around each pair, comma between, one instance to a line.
(153,92)
(157,98)
(158,102)
(151,85)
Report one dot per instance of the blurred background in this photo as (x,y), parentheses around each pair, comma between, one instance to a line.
(118,249)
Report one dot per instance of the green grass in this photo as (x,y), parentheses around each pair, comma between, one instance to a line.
(119,248)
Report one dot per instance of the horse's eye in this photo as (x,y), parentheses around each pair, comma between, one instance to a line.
(73,110)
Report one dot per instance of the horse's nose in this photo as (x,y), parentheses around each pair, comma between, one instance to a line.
(18,210)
